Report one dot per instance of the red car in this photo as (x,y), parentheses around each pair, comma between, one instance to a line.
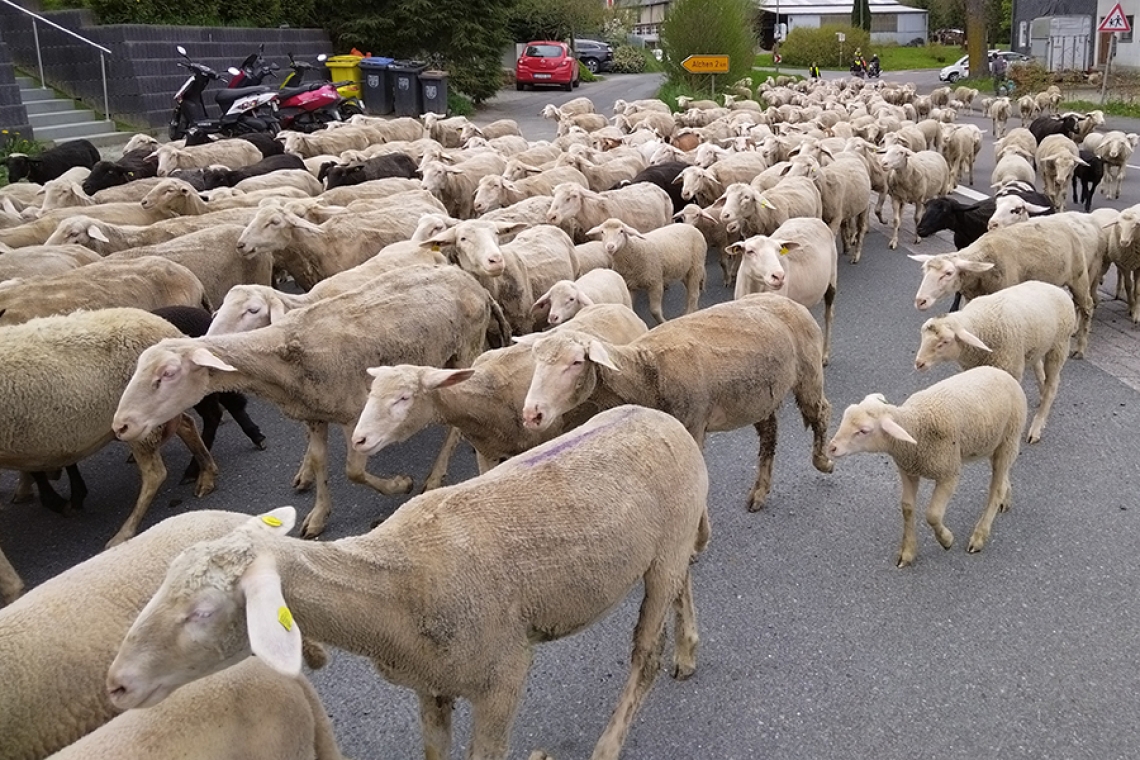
(546,62)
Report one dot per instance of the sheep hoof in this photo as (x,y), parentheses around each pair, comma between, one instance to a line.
(312,529)
(259,442)
(539,755)
(1033,437)
(904,560)
(302,484)
(823,464)
(683,672)
(893,244)
(975,545)
(1077,354)
(397,484)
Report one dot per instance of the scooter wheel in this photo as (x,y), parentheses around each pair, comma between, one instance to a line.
(350,109)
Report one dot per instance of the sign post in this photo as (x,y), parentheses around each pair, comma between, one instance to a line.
(1114,23)
(707,64)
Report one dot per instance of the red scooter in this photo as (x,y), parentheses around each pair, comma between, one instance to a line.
(308,107)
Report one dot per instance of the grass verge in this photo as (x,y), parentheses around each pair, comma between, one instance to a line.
(1112,107)
(896,57)
(12,142)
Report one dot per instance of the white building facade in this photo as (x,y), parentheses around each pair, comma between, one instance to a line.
(890,21)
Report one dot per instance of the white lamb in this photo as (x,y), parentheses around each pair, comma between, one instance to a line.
(977,413)
(567,297)
(1028,323)
(914,177)
(799,260)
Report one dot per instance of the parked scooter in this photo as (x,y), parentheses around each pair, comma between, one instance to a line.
(244,109)
(306,107)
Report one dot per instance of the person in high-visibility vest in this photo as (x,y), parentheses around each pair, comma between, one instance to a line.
(813,72)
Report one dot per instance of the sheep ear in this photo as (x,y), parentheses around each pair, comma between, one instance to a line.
(921,258)
(445,378)
(447,237)
(95,233)
(276,309)
(968,265)
(786,246)
(526,340)
(303,223)
(765,203)
(598,354)
(970,339)
(584,299)
(735,249)
(274,637)
(594,232)
(1037,209)
(506,228)
(204,358)
(541,303)
(632,232)
(280,520)
(895,430)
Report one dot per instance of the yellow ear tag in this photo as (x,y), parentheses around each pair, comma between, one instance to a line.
(285,617)
(271,521)
(436,247)
(783,250)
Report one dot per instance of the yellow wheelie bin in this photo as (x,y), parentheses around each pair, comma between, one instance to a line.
(345,71)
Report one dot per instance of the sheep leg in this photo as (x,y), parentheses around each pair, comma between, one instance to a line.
(661,589)
(48,496)
(494,710)
(828,316)
(211,413)
(895,223)
(1080,291)
(919,208)
(303,480)
(656,293)
(694,284)
(152,470)
(766,431)
(442,460)
(1001,492)
(908,550)
(861,223)
(1052,364)
(943,489)
(24,488)
(435,717)
(879,206)
(815,411)
(208,469)
(235,404)
(317,459)
(355,469)
(1131,294)
(685,637)
(10,584)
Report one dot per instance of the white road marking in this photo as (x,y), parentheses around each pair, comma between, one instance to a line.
(969,193)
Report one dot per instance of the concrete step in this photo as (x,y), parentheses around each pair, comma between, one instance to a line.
(106,139)
(27,83)
(49,106)
(41,120)
(72,131)
(31,94)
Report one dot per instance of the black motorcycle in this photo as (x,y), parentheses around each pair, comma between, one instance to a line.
(243,109)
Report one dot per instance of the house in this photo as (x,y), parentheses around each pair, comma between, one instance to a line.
(1058,33)
(890,21)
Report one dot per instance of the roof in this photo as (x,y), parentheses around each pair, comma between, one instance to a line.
(831,7)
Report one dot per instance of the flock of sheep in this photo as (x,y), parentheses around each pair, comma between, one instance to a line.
(467,277)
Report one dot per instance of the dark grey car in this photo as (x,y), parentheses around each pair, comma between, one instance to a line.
(595,56)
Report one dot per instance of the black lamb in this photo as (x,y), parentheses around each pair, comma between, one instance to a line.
(1043,126)
(1089,174)
(133,165)
(52,163)
(378,167)
(665,176)
(230,177)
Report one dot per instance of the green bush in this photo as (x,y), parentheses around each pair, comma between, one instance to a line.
(709,27)
(805,46)
(628,60)
(253,13)
(13,142)
(459,105)
(585,74)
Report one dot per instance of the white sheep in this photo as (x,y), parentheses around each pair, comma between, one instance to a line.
(748,211)
(482,401)
(71,371)
(36,260)
(628,489)
(592,255)
(495,191)
(1114,150)
(512,272)
(717,369)
(799,261)
(999,112)
(1125,253)
(566,298)
(607,173)
(977,413)
(230,153)
(1048,248)
(420,314)
(1057,156)
(716,235)
(326,142)
(845,192)
(960,146)
(299,179)
(913,177)
(648,261)
(146,283)
(1028,323)
(642,205)
(455,185)
(44,663)
(1013,165)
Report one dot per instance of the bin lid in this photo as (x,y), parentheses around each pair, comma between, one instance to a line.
(344,59)
(433,74)
(375,62)
(415,66)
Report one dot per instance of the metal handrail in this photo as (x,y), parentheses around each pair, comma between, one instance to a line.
(103,52)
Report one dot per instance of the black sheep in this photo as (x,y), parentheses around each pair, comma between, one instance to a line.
(194,322)
(1043,126)
(665,176)
(52,163)
(230,177)
(262,141)
(131,166)
(379,167)
(1089,175)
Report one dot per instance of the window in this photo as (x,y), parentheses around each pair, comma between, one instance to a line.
(884,22)
(1023,34)
(544,51)
(1127,36)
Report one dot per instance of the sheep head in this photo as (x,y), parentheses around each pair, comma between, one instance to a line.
(941,275)
(564,374)
(398,404)
(867,427)
(941,340)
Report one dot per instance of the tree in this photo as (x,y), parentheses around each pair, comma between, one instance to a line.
(555,19)
(861,15)
(467,37)
(709,27)
(976,37)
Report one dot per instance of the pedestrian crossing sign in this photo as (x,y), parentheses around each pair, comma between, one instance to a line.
(1115,21)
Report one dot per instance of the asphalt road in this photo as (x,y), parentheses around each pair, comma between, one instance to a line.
(813,645)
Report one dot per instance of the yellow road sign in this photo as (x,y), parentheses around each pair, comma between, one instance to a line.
(706,64)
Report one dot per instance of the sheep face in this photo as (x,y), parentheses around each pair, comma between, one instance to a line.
(1011,209)
(476,246)
(77,230)
(614,235)
(399,404)
(19,166)
(694,180)
(245,308)
(740,202)
(564,301)
(167,194)
(271,229)
(566,203)
(170,377)
(489,194)
(866,426)
(1126,225)
(761,270)
(564,375)
(64,194)
(215,608)
(895,158)
(434,177)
